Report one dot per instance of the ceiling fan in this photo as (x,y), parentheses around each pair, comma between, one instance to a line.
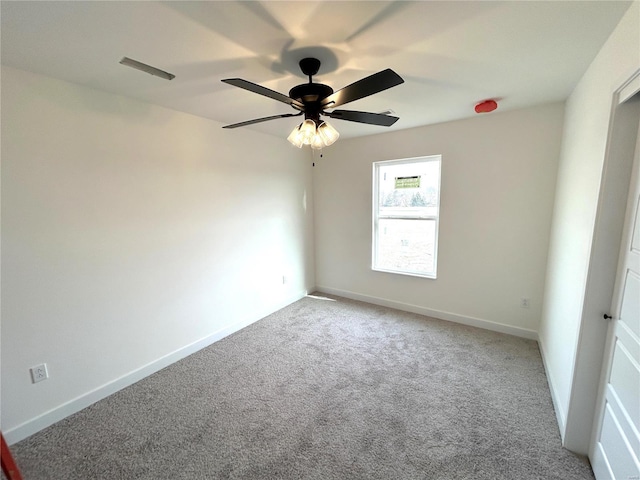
(315,99)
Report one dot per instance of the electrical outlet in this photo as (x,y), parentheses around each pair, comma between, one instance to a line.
(525,302)
(39,373)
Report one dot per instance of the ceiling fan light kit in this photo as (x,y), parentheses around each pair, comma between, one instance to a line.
(316,99)
(307,133)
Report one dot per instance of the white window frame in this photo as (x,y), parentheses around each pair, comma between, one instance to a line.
(377,216)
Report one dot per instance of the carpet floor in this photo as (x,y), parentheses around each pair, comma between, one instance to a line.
(326,388)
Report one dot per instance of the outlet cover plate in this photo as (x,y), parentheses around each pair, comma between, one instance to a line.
(39,373)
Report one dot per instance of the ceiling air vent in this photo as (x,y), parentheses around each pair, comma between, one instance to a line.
(147,68)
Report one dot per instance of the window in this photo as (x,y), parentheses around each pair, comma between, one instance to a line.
(406,202)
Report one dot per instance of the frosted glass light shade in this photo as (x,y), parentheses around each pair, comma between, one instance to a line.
(295,137)
(316,142)
(328,134)
(308,131)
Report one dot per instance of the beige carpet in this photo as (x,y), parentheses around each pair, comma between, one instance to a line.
(324,389)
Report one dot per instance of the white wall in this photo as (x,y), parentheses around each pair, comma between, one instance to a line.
(131,236)
(565,321)
(498,181)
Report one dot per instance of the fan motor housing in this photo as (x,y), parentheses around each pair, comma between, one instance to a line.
(310,92)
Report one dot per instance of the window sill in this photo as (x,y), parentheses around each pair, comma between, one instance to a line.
(430,276)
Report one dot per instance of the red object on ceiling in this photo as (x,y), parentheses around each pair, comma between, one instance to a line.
(486,106)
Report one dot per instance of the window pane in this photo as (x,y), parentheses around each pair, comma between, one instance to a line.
(406,245)
(406,195)
(409,189)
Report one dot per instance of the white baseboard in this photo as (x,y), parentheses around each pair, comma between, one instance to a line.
(56,414)
(557,406)
(451,317)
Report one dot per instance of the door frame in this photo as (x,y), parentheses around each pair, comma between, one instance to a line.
(603,263)
(631,95)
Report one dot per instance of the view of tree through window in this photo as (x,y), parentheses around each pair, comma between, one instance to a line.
(406,205)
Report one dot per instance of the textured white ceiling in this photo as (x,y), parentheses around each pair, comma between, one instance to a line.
(452,54)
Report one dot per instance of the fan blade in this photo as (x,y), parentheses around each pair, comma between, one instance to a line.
(363,117)
(363,88)
(255,88)
(264,119)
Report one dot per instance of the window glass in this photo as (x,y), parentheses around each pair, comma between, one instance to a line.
(406,208)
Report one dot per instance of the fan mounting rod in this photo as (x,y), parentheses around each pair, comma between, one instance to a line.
(310,93)
(309,66)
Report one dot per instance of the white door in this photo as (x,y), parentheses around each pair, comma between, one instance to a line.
(615,451)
